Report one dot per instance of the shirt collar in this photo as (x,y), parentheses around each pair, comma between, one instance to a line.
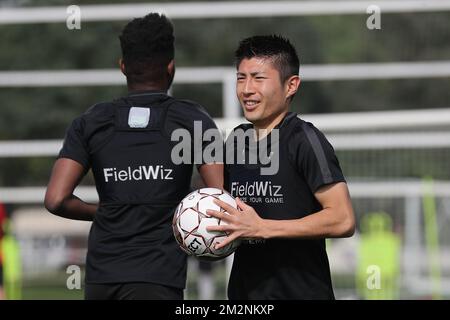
(140,93)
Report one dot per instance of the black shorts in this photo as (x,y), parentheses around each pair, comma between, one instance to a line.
(132,291)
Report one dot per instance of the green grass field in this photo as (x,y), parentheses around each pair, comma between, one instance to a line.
(52,286)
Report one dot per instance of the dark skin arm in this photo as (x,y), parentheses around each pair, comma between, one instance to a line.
(67,174)
(212,175)
(59,198)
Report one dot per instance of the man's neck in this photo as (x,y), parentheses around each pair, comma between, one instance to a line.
(145,87)
(263,129)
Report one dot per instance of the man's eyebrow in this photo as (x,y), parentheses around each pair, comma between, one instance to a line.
(255,73)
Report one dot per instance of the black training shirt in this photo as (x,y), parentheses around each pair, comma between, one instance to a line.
(139,186)
(283,268)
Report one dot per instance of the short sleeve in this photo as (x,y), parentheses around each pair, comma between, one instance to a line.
(74,147)
(316,159)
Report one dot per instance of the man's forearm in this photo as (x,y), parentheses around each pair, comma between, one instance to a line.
(322,224)
(74,208)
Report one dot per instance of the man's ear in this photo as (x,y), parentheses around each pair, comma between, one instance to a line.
(292,85)
(171,72)
(171,68)
(122,67)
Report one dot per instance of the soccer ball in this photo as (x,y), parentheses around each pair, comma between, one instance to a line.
(190,221)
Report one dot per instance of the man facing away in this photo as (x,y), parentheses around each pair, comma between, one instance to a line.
(132,253)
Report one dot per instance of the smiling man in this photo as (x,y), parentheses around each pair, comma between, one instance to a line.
(284,217)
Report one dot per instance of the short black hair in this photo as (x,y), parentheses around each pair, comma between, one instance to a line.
(274,47)
(147,48)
